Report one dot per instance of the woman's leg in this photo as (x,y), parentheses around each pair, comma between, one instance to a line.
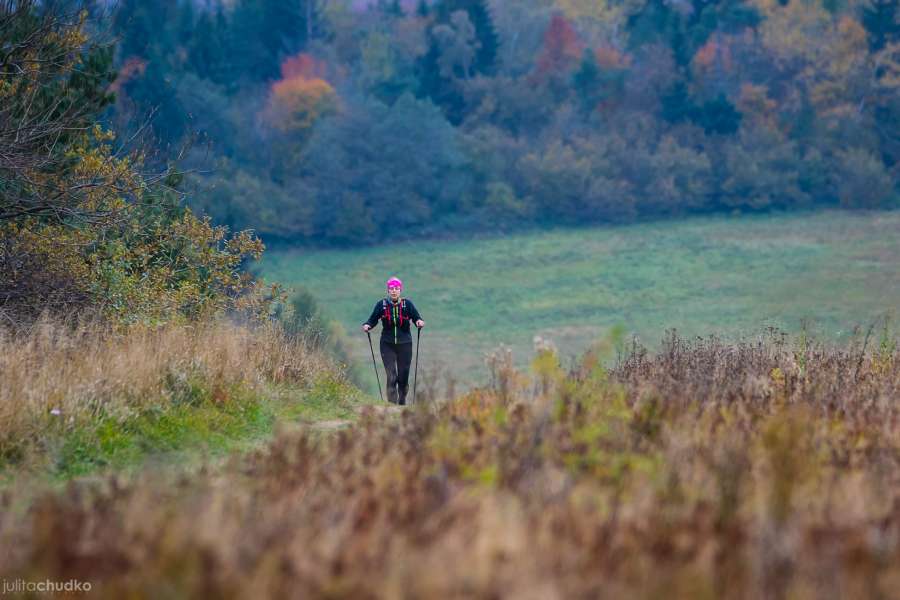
(389,359)
(404,358)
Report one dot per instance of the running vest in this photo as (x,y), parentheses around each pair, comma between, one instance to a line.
(393,314)
(391,311)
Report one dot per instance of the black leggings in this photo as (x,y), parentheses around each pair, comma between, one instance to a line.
(396,359)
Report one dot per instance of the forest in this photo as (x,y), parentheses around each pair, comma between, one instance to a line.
(338,122)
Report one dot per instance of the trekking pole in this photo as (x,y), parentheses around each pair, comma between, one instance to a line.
(416,374)
(378,379)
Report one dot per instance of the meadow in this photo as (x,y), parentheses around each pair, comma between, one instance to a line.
(825,272)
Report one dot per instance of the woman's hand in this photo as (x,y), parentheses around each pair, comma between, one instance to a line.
(366,328)
(420,323)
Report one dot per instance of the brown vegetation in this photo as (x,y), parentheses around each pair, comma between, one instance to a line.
(58,377)
(760,469)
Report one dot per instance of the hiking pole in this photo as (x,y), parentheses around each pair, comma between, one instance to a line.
(378,379)
(416,374)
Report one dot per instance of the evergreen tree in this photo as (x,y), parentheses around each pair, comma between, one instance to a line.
(718,116)
(442,91)
(715,116)
(224,70)
(206,48)
(586,81)
(263,33)
(250,59)
(881,18)
(184,27)
(155,93)
(687,31)
(677,105)
(134,24)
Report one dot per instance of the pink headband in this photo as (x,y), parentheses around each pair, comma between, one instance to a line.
(394,282)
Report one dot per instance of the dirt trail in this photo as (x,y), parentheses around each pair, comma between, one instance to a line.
(335,424)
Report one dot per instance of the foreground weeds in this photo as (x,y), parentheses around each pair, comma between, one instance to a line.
(764,469)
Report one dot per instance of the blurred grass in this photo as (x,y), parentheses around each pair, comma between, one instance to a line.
(709,470)
(188,433)
(81,399)
(727,275)
(201,430)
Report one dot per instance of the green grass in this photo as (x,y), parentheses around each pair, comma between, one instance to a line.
(193,429)
(727,275)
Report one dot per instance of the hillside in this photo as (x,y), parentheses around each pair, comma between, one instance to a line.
(729,276)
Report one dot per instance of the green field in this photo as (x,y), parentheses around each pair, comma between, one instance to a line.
(726,275)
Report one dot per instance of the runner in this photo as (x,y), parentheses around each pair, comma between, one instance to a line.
(396,314)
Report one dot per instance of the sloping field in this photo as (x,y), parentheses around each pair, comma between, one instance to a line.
(730,276)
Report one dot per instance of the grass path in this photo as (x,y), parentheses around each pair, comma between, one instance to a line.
(188,438)
(726,275)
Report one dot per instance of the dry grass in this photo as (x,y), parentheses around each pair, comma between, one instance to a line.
(62,376)
(760,470)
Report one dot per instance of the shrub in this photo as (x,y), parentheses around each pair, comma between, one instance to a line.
(862,180)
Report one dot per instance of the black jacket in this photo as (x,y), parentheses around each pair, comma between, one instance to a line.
(395,319)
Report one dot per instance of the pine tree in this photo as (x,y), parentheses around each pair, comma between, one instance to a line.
(718,116)
(134,23)
(284,27)
(184,29)
(586,81)
(677,105)
(206,48)
(881,18)
(262,33)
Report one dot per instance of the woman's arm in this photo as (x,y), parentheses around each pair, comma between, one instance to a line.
(414,314)
(373,318)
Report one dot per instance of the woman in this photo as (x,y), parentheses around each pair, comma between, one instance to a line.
(396,314)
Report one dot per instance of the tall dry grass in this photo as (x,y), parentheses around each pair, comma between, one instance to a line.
(709,470)
(52,373)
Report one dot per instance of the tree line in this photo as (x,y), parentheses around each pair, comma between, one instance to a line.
(345,122)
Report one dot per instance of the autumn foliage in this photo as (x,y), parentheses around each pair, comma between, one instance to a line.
(301,97)
(85,224)
(582,110)
(562,47)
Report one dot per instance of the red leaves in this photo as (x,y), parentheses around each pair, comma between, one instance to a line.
(304,66)
(134,66)
(562,47)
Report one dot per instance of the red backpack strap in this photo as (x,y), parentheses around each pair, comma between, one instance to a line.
(387,315)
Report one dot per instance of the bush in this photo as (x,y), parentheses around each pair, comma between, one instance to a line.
(861,180)
(762,170)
